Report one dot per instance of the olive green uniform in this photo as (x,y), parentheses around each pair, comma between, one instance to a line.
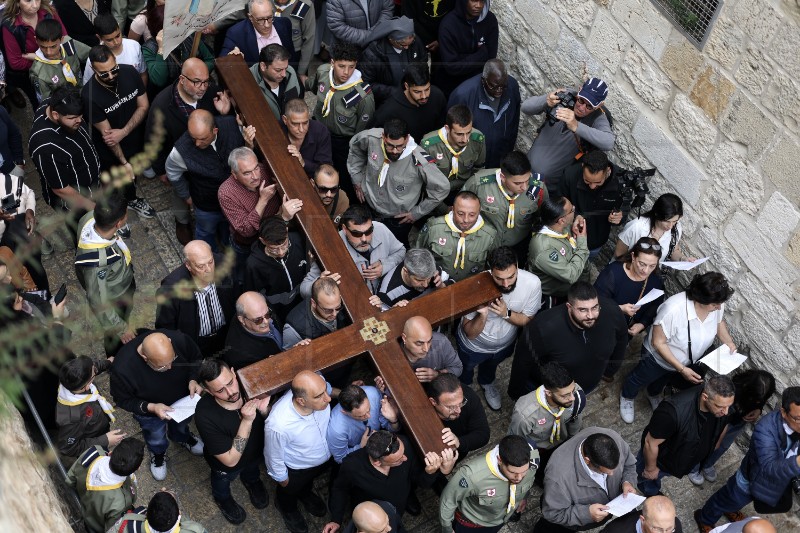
(405,182)
(304,28)
(494,206)
(557,263)
(442,241)
(470,160)
(351,109)
(480,496)
(133,522)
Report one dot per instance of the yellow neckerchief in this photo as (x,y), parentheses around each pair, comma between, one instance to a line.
(326,104)
(66,397)
(453,153)
(100,477)
(555,434)
(461,249)
(65,68)
(279,9)
(491,462)
(175,529)
(550,233)
(89,239)
(510,219)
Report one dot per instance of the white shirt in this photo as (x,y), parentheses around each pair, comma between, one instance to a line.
(498,333)
(672,317)
(131,55)
(734,527)
(9,184)
(597,477)
(640,227)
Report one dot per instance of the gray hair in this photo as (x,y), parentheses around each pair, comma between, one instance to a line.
(250,3)
(719,386)
(494,66)
(420,263)
(237,155)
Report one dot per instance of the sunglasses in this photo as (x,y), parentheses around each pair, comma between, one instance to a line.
(326,190)
(107,74)
(356,233)
(259,319)
(647,246)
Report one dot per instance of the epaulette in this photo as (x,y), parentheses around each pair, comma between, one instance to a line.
(488,178)
(578,405)
(352,98)
(536,190)
(432,139)
(89,456)
(133,521)
(366,87)
(92,257)
(300,10)
(477,136)
(422,156)
(69,48)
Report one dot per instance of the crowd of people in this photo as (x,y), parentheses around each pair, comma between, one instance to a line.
(410,147)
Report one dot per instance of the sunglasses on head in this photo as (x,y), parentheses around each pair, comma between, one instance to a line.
(647,246)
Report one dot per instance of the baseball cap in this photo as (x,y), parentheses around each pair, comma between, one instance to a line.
(594,91)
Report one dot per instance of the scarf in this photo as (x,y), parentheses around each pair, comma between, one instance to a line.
(174,529)
(385,167)
(461,249)
(547,231)
(354,80)
(100,476)
(65,68)
(555,434)
(453,153)
(90,239)
(279,9)
(66,397)
(510,219)
(491,462)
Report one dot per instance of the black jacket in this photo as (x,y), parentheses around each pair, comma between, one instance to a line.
(427,15)
(420,120)
(243,348)
(383,68)
(278,280)
(175,312)
(584,353)
(471,427)
(595,205)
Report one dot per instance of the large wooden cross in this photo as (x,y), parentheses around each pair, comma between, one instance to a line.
(372,331)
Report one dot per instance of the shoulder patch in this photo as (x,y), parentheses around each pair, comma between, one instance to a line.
(488,178)
(463,483)
(89,455)
(300,10)
(554,256)
(477,136)
(431,138)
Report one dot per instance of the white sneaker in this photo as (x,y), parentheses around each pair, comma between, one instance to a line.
(197,447)
(710,474)
(626,410)
(492,396)
(149,173)
(159,471)
(655,400)
(696,478)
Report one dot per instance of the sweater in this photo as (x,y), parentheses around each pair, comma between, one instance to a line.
(420,119)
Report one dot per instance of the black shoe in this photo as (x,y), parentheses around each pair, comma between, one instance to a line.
(314,504)
(294,521)
(515,517)
(413,507)
(258,494)
(232,511)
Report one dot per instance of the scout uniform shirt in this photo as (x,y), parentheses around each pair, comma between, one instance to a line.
(303,18)
(104,496)
(559,260)
(459,260)
(479,493)
(47,74)
(457,165)
(394,187)
(136,522)
(512,228)
(344,109)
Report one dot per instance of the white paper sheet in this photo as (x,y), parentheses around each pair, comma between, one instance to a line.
(184,408)
(685,265)
(654,294)
(620,506)
(722,361)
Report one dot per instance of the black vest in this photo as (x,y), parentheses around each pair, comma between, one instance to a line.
(208,168)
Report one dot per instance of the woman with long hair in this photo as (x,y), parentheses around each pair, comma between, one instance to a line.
(662,223)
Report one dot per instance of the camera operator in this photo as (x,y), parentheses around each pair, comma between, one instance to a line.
(18,224)
(592,186)
(576,122)
(770,471)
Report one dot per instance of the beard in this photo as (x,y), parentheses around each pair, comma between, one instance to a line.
(507,290)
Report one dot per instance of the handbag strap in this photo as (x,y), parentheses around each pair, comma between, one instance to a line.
(689,331)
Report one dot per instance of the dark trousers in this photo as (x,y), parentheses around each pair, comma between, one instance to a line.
(400,231)
(123,307)
(300,486)
(221,481)
(544,458)
(546,526)
(340,145)
(648,374)
(156,432)
(459,528)
(648,487)
(27,249)
(729,499)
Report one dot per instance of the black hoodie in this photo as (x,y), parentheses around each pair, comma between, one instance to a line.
(420,120)
(277,279)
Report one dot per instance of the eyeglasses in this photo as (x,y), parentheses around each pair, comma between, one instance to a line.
(197,83)
(326,190)
(259,319)
(277,248)
(107,74)
(163,368)
(659,529)
(494,86)
(327,311)
(796,419)
(584,102)
(356,233)
(454,408)
(262,20)
(647,246)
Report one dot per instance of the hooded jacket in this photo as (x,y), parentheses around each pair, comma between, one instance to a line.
(277,279)
(383,68)
(420,119)
(465,45)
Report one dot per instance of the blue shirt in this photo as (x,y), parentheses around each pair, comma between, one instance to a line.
(345,432)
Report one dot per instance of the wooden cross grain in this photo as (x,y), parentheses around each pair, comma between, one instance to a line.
(372,331)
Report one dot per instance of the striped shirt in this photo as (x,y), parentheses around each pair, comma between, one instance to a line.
(209,310)
(63,158)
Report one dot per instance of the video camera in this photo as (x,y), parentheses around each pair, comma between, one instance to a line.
(566,99)
(633,187)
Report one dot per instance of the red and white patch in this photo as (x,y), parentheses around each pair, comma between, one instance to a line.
(442,241)
(491,492)
(439,156)
(322,87)
(542,421)
(374,156)
(490,199)
(563,252)
(54,79)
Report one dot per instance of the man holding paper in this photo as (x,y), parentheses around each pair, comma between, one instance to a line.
(584,474)
(150,373)
(657,516)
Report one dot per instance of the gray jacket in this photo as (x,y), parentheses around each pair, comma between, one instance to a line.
(349,21)
(568,489)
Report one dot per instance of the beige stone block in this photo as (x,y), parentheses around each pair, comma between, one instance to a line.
(535,16)
(623,106)
(577,15)
(735,186)
(608,42)
(758,19)
(725,43)
(780,167)
(793,251)
(691,127)
(754,70)
(712,92)
(558,73)
(682,62)
(785,47)
(781,216)
(645,23)
(747,124)
(782,97)
(649,82)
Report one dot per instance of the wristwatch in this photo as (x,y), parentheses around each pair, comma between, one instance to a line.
(508,313)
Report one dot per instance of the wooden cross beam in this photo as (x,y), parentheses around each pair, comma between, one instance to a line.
(372,331)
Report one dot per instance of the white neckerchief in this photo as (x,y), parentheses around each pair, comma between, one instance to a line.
(352,81)
(280,9)
(547,231)
(91,240)
(66,397)
(453,153)
(100,476)
(385,167)
(174,529)
(541,397)
(66,69)
(494,468)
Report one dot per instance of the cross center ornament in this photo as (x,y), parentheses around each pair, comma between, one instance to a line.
(378,336)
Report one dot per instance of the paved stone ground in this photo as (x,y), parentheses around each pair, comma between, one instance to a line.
(156,252)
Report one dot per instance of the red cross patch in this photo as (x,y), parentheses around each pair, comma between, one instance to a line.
(439,156)
(542,421)
(490,199)
(322,87)
(442,241)
(491,492)
(374,156)
(563,252)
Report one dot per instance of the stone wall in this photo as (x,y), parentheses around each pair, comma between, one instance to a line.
(720,124)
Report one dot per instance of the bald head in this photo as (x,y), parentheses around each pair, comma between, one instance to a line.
(759,526)
(305,381)
(200,118)
(199,261)
(418,326)
(659,513)
(368,517)
(157,351)
(417,337)
(250,302)
(310,392)
(194,68)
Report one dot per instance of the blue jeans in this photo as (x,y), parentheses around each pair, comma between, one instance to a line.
(221,481)
(648,373)
(648,487)
(730,436)
(207,224)
(594,253)
(156,431)
(486,362)
(730,498)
